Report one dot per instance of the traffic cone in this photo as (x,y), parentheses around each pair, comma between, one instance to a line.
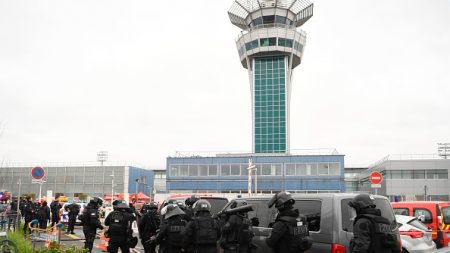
(103,243)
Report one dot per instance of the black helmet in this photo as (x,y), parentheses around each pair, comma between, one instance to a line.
(201,205)
(191,200)
(96,201)
(172,210)
(118,201)
(121,206)
(362,201)
(235,203)
(153,205)
(237,206)
(280,199)
(181,204)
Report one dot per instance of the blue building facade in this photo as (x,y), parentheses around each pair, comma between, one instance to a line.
(140,180)
(229,174)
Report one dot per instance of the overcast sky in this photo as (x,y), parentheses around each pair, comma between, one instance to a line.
(144,79)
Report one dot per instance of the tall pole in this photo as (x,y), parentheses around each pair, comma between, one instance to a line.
(250,169)
(256,181)
(18,196)
(112,187)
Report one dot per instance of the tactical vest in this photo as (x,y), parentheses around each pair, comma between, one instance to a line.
(205,231)
(383,238)
(297,233)
(174,240)
(243,233)
(118,224)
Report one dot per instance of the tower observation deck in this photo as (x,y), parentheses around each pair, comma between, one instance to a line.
(270,46)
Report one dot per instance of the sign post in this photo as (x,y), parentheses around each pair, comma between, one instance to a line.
(376,178)
(38,173)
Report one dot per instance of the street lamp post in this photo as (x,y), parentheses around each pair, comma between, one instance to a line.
(112,186)
(250,169)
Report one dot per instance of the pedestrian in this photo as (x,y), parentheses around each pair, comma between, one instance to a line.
(74,210)
(43,215)
(169,235)
(290,230)
(119,230)
(28,211)
(189,210)
(91,221)
(55,208)
(203,232)
(145,208)
(236,232)
(372,233)
(147,227)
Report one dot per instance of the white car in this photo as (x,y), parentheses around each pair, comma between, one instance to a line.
(416,237)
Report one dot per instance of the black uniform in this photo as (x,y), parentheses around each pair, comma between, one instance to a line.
(55,207)
(119,222)
(147,228)
(28,212)
(202,233)
(43,216)
(373,234)
(290,233)
(236,234)
(91,221)
(169,235)
(74,210)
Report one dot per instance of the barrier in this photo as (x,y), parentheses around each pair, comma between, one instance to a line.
(48,236)
(103,243)
(9,221)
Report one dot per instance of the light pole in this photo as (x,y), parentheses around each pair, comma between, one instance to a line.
(444,149)
(250,169)
(102,157)
(112,187)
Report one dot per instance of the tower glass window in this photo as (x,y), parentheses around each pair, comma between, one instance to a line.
(270,104)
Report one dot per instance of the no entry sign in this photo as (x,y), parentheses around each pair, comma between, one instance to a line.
(376,177)
(37,173)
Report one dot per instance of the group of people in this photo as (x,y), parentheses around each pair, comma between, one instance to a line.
(190,226)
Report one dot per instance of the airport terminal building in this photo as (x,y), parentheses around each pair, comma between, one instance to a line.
(70,180)
(228,173)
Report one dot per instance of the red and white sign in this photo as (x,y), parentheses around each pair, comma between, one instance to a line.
(37,173)
(376,177)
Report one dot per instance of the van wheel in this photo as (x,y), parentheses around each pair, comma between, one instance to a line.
(404,250)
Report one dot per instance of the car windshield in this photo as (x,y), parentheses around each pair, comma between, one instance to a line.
(348,213)
(216,204)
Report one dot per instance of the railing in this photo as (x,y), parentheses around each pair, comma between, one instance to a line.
(268,26)
(9,221)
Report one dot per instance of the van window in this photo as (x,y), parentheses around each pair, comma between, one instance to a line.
(446,214)
(418,212)
(217,204)
(401,211)
(348,213)
(266,216)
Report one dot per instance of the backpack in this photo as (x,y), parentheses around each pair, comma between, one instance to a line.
(205,231)
(174,240)
(118,225)
(382,234)
(84,217)
(298,233)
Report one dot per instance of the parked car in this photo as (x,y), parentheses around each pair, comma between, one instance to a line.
(65,216)
(329,216)
(434,214)
(416,237)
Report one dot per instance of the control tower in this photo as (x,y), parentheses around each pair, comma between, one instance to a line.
(270,46)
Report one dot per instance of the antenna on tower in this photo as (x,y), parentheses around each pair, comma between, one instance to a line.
(444,149)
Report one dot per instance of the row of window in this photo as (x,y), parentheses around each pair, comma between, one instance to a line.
(291,169)
(272,41)
(416,174)
(271,19)
(280,131)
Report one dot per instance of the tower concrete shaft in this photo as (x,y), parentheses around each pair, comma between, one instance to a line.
(270,46)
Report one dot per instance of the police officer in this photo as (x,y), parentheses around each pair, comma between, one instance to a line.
(91,221)
(43,215)
(55,207)
(74,210)
(203,231)
(372,233)
(236,232)
(290,231)
(147,227)
(189,212)
(28,212)
(119,222)
(145,208)
(169,235)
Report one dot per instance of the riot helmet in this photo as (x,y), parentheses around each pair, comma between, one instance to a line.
(191,200)
(201,205)
(172,210)
(121,206)
(362,201)
(153,205)
(181,204)
(118,201)
(96,201)
(281,200)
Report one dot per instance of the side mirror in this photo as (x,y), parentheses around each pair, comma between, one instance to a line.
(421,218)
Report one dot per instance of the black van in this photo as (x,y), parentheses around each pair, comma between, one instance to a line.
(329,216)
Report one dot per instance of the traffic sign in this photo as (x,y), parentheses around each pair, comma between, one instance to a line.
(376,177)
(37,173)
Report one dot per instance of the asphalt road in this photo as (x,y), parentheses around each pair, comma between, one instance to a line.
(78,240)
